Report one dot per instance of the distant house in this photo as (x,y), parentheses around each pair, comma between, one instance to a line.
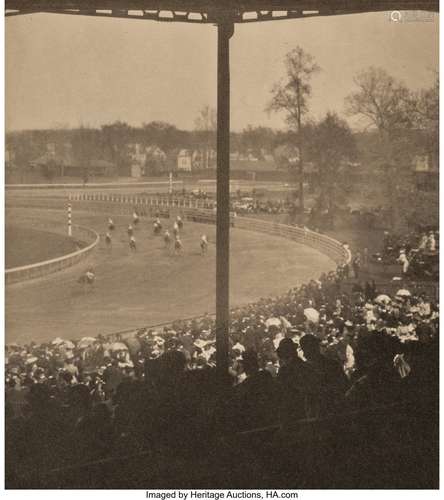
(52,164)
(426,173)
(156,152)
(136,170)
(184,160)
(9,158)
(99,168)
(61,165)
(144,160)
(136,153)
(203,158)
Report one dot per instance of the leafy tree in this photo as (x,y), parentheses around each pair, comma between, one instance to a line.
(161,134)
(115,137)
(330,145)
(256,140)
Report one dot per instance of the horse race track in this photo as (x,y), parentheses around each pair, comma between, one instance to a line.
(152,285)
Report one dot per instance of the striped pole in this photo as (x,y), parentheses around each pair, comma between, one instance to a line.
(69,220)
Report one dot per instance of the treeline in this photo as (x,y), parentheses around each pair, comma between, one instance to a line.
(110,141)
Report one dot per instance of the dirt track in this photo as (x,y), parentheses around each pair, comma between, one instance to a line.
(151,286)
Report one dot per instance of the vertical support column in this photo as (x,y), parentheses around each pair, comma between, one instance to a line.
(69,220)
(225,30)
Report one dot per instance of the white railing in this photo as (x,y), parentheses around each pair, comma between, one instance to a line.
(31,271)
(94,185)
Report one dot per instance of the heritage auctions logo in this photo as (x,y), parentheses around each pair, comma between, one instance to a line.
(222,495)
(410,16)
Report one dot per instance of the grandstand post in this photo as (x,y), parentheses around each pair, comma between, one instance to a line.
(69,220)
(225,29)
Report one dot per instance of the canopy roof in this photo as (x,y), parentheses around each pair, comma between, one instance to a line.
(211,11)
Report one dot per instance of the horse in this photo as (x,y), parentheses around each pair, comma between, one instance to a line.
(157,228)
(132,244)
(87,280)
(178,246)
(167,239)
(203,245)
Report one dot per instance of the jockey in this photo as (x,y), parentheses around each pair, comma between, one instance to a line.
(135,217)
(179,222)
(203,243)
(167,238)
(108,238)
(110,224)
(132,243)
(130,230)
(176,229)
(177,244)
(158,222)
(90,276)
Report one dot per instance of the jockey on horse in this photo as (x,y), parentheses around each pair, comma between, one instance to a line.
(132,244)
(167,238)
(110,224)
(135,218)
(178,245)
(87,279)
(204,244)
(176,229)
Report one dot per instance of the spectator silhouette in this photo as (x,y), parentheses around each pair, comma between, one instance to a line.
(296,385)
(332,380)
(378,382)
(254,400)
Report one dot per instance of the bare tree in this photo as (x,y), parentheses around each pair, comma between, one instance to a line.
(292,96)
(381,101)
(387,105)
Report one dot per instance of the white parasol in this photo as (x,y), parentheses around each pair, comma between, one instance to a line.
(86,341)
(272,322)
(383,299)
(311,314)
(118,346)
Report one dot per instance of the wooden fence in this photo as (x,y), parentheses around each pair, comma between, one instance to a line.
(31,271)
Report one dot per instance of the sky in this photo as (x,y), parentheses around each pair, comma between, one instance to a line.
(66,71)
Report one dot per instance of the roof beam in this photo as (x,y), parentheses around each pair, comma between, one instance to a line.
(209,11)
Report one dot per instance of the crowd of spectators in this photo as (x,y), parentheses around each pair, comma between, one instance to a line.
(417,252)
(312,352)
(240,205)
